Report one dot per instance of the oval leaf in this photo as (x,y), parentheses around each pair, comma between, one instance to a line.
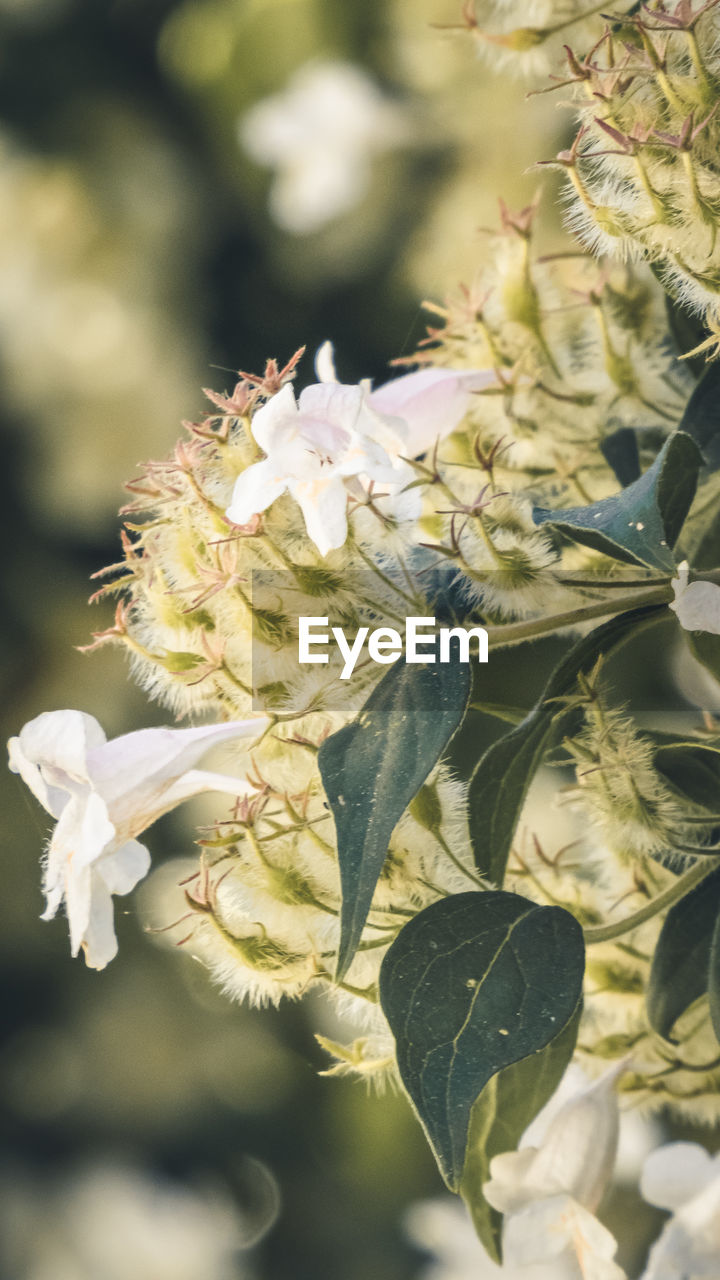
(693,769)
(371,770)
(475,983)
(680,965)
(640,524)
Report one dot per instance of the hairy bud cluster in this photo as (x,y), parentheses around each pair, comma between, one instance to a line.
(582,350)
(642,170)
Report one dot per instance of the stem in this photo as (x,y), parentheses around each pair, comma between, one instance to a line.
(515,632)
(676,891)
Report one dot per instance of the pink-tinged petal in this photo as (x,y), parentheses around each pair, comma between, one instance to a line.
(122,869)
(255,490)
(676,1173)
(579,1150)
(325,363)
(324,508)
(275,419)
(331,405)
(431,401)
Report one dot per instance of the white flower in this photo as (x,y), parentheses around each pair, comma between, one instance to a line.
(103,794)
(549,1192)
(697,604)
(337,438)
(320,136)
(684,1178)
(312,447)
(430,403)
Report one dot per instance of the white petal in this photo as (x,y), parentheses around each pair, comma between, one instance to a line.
(675,1174)
(81,836)
(325,363)
(324,509)
(431,401)
(255,490)
(277,418)
(50,754)
(53,799)
(133,772)
(579,1149)
(197,781)
(558,1229)
(78,903)
(99,942)
(697,606)
(506,1191)
(123,868)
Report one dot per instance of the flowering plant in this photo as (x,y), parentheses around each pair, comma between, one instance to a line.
(551,468)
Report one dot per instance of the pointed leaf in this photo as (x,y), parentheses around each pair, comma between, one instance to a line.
(371,770)
(693,769)
(473,984)
(680,965)
(502,778)
(701,418)
(714,979)
(640,524)
(620,451)
(500,1116)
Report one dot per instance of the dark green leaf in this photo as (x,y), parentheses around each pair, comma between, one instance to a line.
(701,418)
(693,769)
(679,972)
(620,451)
(687,329)
(501,780)
(714,979)
(500,1116)
(640,524)
(372,768)
(473,984)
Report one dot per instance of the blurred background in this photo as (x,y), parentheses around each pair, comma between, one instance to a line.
(188,187)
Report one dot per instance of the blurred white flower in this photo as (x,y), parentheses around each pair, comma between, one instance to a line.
(547,1192)
(103,794)
(684,1178)
(320,136)
(430,402)
(697,604)
(120,1222)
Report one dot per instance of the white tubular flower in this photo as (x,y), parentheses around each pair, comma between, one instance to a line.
(430,403)
(313,446)
(697,604)
(103,795)
(549,1192)
(685,1179)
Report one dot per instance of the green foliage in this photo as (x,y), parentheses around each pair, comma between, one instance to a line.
(693,770)
(501,781)
(372,768)
(641,524)
(681,963)
(474,984)
(701,418)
